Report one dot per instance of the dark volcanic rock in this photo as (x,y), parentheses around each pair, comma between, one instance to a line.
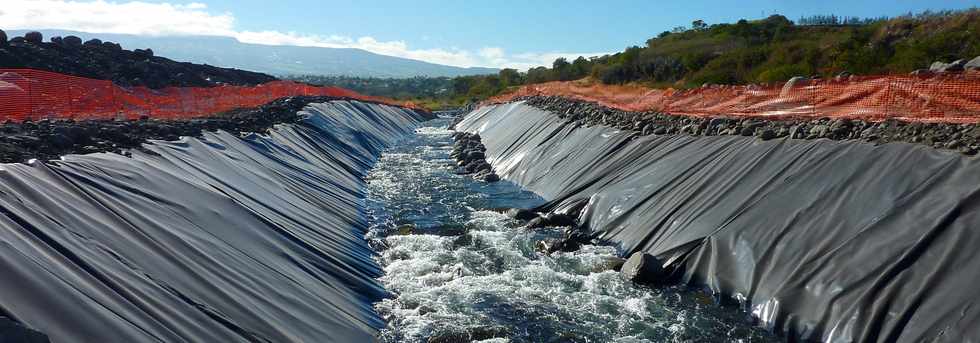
(72,41)
(643,268)
(3,38)
(522,214)
(471,159)
(551,219)
(34,37)
(108,61)
(44,140)
(964,138)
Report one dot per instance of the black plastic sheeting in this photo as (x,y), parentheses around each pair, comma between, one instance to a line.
(823,240)
(218,239)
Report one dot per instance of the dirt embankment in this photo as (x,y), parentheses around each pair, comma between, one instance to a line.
(109,61)
(964,138)
(46,140)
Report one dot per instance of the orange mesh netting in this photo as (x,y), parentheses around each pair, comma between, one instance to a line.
(951,98)
(27,94)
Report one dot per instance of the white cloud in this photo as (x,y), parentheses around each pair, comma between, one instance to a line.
(162,19)
(112,17)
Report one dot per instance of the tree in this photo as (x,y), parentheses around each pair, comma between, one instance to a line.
(538,75)
(581,67)
(510,77)
(698,25)
(562,69)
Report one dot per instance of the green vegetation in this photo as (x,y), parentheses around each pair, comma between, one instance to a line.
(760,51)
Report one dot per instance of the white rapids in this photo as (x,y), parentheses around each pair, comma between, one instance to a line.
(468,273)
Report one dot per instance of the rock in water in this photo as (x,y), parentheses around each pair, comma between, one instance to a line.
(643,268)
(522,214)
(491,177)
(34,37)
(558,219)
(405,229)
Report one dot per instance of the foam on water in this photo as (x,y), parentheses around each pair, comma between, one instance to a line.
(473,274)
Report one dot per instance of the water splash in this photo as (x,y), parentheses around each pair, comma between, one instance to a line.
(472,274)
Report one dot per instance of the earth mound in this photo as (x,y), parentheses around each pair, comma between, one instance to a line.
(109,61)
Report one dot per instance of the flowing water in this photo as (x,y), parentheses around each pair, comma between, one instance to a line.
(459,271)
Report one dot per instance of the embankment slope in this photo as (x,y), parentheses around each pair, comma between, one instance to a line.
(823,240)
(222,238)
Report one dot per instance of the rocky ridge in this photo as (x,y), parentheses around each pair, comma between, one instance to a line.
(964,138)
(470,159)
(48,140)
(109,61)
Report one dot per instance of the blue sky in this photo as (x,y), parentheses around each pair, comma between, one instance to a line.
(495,33)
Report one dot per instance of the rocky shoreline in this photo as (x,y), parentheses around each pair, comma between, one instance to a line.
(963,138)
(47,140)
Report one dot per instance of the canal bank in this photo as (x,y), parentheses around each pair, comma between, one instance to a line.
(821,240)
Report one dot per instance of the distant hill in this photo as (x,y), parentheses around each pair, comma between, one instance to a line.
(776,49)
(277,60)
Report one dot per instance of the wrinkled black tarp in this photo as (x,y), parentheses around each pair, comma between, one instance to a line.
(219,239)
(825,240)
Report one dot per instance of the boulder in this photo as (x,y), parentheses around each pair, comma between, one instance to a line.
(93,42)
(940,67)
(819,131)
(405,229)
(3,38)
(538,222)
(608,263)
(558,219)
(475,155)
(957,65)
(793,82)
(112,46)
(522,214)
(974,64)
(72,41)
(34,37)
(491,177)
(56,40)
(643,268)
(767,134)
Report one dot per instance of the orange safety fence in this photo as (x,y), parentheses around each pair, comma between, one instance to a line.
(27,94)
(948,98)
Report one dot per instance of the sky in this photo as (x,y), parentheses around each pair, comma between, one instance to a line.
(495,33)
